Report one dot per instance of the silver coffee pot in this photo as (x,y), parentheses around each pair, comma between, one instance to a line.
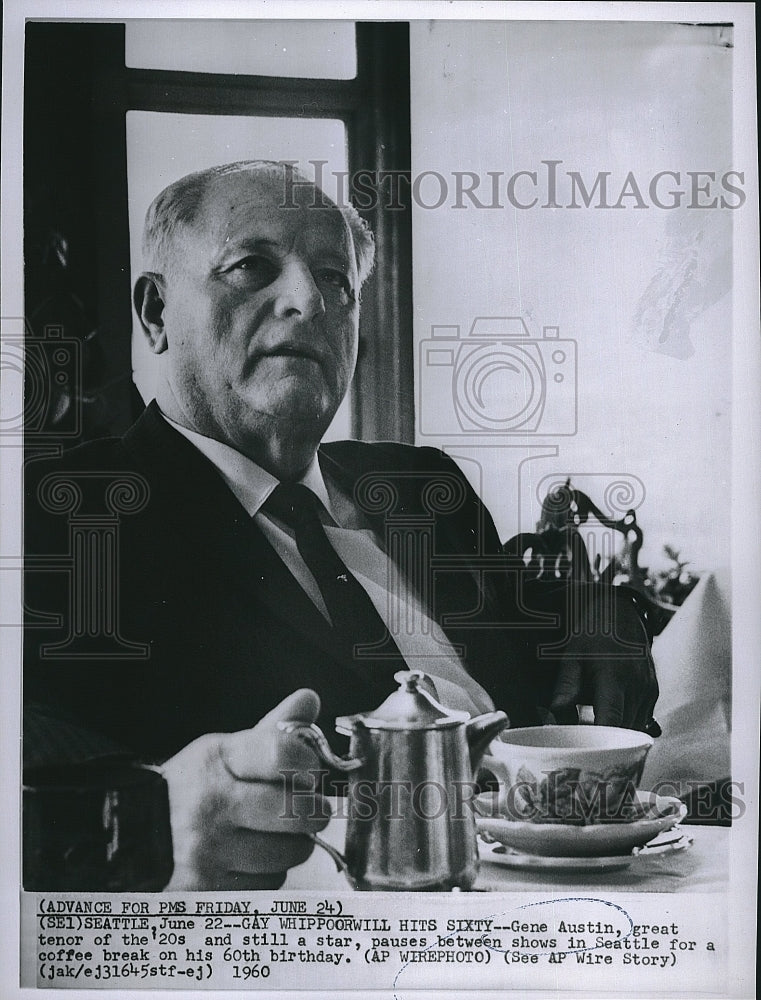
(411,769)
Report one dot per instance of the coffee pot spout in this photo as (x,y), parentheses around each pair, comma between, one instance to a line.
(481,731)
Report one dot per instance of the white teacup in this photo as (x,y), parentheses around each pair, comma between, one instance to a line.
(568,774)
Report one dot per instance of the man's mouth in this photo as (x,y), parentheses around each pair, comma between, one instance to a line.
(289,351)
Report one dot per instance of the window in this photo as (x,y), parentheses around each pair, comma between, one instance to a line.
(324,50)
(133,106)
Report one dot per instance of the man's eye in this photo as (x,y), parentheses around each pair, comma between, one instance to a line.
(255,265)
(334,281)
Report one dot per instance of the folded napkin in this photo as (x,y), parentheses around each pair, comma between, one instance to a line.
(693,657)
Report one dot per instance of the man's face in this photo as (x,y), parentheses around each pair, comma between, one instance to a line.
(261,313)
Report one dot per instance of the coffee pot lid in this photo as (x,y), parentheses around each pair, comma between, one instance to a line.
(409,707)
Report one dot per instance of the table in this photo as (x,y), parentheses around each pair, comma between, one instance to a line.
(693,659)
(704,867)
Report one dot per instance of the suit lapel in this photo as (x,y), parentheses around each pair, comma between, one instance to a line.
(454,589)
(189,493)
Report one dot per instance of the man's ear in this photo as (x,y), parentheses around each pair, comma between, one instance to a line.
(149,305)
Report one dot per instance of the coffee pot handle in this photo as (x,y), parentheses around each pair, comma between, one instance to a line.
(339,860)
(313,736)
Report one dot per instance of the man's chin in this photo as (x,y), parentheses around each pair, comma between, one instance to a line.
(293,413)
(283,440)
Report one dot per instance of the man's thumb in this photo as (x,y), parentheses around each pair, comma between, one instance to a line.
(303,705)
(254,753)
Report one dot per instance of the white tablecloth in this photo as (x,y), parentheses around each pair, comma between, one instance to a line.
(704,867)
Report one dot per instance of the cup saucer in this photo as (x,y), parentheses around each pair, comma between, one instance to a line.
(668,842)
(557,840)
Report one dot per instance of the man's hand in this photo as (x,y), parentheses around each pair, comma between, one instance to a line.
(622,692)
(609,666)
(231,825)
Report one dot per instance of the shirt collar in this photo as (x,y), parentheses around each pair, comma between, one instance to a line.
(250,483)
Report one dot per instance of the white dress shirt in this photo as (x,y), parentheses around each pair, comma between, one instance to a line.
(421,641)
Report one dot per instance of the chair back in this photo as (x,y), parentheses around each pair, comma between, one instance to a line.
(557,552)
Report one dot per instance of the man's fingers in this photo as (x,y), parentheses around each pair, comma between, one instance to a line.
(246,882)
(236,823)
(567,689)
(609,698)
(261,753)
(647,702)
(243,862)
(275,807)
(565,715)
(623,692)
(254,852)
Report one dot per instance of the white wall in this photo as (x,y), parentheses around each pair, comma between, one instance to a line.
(644,293)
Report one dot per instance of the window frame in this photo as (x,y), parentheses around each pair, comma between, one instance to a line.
(375,109)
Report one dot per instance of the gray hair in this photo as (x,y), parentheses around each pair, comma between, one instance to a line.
(177,206)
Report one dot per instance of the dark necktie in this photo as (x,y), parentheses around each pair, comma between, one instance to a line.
(360,629)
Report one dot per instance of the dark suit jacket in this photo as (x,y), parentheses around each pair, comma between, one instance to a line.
(198,624)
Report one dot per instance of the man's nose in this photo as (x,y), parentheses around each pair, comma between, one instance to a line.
(296,292)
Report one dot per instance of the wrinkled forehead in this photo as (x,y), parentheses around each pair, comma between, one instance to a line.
(246,206)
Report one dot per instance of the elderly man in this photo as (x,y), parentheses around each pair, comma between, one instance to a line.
(255,573)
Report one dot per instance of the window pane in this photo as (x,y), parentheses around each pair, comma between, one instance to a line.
(319,49)
(161,148)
